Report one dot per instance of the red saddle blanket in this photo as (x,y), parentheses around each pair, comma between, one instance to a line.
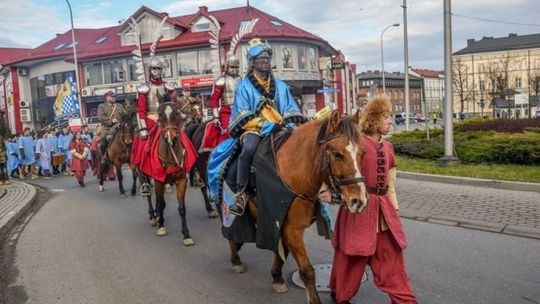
(150,164)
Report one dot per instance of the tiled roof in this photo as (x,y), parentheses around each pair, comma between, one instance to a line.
(10,54)
(428,73)
(87,48)
(490,44)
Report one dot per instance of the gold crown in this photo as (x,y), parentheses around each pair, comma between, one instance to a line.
(255,41)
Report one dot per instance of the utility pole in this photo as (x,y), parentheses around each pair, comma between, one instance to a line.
(448,159)
(406,60)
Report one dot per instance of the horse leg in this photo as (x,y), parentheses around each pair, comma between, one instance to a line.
(279,285)
(134,182)
(298,219)
(160,206)
(120,178)
(181,184)
(212,213)
(103,167)
(237,265)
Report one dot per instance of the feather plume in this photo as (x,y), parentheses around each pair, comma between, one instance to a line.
(244,29)
(158,34)
(215,56)
(135,38)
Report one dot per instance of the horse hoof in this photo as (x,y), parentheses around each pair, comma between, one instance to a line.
(213,214)
(161,231)
(188,242)
(101,188)
(153,222)
(280,287)
(238,269)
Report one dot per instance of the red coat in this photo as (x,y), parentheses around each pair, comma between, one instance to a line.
(213,135)
(356,234)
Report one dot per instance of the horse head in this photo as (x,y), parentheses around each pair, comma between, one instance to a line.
(196,111)
(341,162)
(127,129)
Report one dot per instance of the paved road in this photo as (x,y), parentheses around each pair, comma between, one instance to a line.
(89,247)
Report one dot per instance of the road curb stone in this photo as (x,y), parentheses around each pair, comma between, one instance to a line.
(18,197)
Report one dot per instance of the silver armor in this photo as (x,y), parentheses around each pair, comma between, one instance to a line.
(230,84)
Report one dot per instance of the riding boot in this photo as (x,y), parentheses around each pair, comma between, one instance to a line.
(240,202)
(145,189)
(103,149)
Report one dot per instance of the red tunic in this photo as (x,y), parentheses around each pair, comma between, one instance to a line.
(213,135)
(78,164)
(356,234)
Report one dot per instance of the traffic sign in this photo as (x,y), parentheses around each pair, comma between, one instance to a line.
(328,90)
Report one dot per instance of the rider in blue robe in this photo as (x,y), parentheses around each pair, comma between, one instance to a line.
(26,154)
(13,156)
(262,105)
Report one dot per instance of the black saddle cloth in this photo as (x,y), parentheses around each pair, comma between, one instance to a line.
(273,201)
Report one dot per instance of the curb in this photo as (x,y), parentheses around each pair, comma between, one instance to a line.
(469,181)
(523,231)
(10,219)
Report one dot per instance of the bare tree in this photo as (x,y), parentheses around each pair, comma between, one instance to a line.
(499,75)
(460,82)
(533,78)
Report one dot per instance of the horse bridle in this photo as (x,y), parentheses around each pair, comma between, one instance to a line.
(335,182)
(165,132)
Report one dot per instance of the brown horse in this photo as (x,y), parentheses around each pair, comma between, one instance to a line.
(171,154)
(317,153)
(118,152)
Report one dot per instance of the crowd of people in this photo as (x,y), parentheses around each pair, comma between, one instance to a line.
(46,153)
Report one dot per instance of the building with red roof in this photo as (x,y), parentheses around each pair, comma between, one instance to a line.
(104,62)
(432,89)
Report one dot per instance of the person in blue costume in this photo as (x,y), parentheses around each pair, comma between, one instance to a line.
(63,146)
(52,139)
(13,157)
(262,105)
(43,154)
(26,154)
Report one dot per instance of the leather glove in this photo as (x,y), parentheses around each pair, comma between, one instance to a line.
(143,133)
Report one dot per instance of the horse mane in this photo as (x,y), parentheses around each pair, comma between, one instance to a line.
(347,127)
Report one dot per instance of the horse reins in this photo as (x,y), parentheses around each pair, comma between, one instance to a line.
(165,130)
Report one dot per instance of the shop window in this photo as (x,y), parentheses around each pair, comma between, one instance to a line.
(113,72)
(302,58)
(313,60)
(93,74)
(205,62)
(287,58)
(187,63)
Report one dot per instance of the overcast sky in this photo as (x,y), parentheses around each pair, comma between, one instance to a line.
(352,26)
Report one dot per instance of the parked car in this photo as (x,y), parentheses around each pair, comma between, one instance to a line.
(421,117)
(399,118)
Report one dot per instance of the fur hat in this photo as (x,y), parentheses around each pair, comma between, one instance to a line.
(373,112)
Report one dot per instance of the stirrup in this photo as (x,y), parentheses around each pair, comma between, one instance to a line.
(198,182)
(145,189)
(240,202)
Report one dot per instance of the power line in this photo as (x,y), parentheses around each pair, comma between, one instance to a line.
(495,21)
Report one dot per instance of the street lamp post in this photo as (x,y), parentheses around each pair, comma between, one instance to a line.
(75,60)
(382,55)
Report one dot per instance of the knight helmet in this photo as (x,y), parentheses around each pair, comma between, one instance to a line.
(155,62)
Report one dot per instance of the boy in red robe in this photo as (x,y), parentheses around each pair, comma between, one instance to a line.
(374,237)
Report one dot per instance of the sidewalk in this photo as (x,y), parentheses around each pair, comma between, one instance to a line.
(497,206)
(15,199)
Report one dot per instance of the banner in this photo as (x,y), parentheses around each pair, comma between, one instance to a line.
(66,101)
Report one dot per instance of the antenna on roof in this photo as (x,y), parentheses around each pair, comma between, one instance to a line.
(247,3)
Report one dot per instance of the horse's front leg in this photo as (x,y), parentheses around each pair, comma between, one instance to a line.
(118,167)
(134,181)
(278,284)
(298,219)
(202,163)
(237,265)
(181,184)
(160,206)
(102,172)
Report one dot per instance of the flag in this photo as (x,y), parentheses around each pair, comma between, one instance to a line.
(66,101)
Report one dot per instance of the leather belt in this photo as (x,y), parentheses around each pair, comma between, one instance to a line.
(377,190)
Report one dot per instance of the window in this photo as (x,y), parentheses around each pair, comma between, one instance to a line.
(113,71)
(302,58)
(482,85)
(287,58)
(101,39)
(70,46)
(187,63)
(244,22)
(93,74)
(201,25)
(276,23)
(518,82)
(194,63)
(312,59)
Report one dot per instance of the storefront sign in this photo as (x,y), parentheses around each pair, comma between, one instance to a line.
(325,63)
(197,81)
